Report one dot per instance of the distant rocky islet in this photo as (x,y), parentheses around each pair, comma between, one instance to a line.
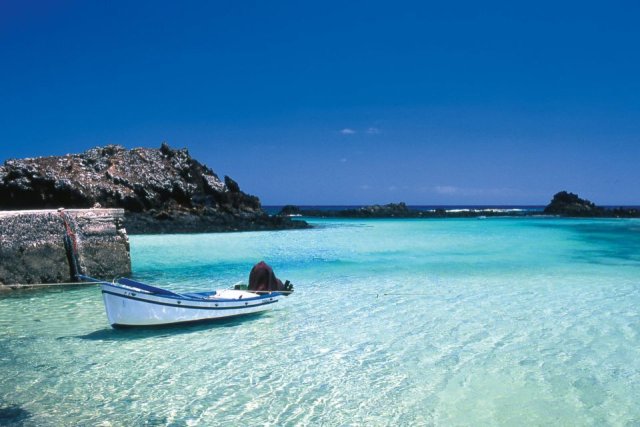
(564,204)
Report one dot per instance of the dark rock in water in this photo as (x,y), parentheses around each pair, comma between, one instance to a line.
(13,415)
(564,204)
(391,210)
(162,190)
(622,212)
(290,210)
(382,211)
(569,204)
(395,210)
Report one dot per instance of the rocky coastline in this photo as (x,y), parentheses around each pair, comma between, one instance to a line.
(571,205)
(563,204)
(161,190)
(396,210)
(165,190)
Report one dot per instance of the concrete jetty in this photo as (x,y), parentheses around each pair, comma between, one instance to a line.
(33,249)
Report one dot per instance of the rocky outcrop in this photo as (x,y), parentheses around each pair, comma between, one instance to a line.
(161,190)
(396,210)
(33,249)
(570,205)
(391,210)
(563,204)
(290,210)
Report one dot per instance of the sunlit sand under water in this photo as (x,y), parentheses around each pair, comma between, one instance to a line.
(393,322)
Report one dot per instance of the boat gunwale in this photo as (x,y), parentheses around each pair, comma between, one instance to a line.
(271,300)
(181,297)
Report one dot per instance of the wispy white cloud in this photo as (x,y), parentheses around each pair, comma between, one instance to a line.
(460,191)
(368,131)
(446,189)
(343,160)
(365,187)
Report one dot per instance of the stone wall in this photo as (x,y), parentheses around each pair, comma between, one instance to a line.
(32,248)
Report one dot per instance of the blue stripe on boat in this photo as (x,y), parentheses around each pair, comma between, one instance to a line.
(264,302)
(192,297)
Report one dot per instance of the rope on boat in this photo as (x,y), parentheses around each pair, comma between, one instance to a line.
(16,286)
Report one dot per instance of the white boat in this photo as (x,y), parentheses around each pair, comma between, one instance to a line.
(131,303)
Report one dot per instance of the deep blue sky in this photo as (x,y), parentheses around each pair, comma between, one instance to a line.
(460,102)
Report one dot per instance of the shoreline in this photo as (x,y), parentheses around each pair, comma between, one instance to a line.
(579,209)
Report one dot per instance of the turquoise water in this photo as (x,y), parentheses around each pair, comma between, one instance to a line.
(394,322)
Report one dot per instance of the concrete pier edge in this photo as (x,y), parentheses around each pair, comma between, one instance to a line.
(33,252)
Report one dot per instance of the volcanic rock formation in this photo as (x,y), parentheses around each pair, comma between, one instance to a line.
(162,190)
(571,205)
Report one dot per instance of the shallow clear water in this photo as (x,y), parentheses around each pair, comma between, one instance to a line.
(393,322)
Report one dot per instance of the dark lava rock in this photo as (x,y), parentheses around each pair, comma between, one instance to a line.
(563,204)
(290,210)
(13,415)
(569,204)
(162,190)
(391,210)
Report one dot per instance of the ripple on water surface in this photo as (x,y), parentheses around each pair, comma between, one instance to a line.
(454,322)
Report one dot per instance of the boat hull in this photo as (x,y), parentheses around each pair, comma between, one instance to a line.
(128,307)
